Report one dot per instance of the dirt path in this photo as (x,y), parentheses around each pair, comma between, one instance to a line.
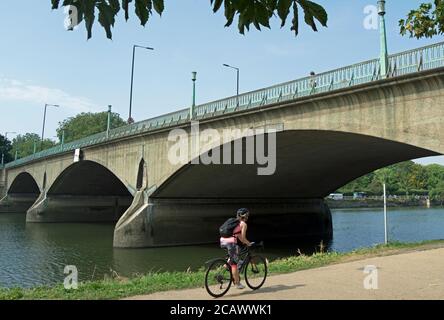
(413,275)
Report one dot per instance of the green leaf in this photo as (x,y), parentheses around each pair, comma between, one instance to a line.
(55,4)
(262,15)
(142,11)
(217,4)
(159,6)
(125,4)
(313,11)
(88,9)
(115,6)
(106,17)
(283,10)
(229,13)
(295,21)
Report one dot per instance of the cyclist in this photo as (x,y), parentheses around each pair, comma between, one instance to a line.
(233,243)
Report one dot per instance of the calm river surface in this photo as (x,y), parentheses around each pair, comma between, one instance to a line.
(36,254)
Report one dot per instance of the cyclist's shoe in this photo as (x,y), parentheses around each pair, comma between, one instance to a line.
(240,286)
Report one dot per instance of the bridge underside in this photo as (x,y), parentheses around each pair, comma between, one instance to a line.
(84,192)
(21,195)
(309,166)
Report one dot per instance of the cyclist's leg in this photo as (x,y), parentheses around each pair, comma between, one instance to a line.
(233,252)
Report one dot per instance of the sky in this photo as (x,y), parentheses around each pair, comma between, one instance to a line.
(42,63)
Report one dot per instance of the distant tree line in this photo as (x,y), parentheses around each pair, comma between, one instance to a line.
(405,178)
(73,128)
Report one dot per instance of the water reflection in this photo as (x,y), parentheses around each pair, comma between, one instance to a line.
(36,254)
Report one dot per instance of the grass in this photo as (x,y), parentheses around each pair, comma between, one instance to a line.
(115,288)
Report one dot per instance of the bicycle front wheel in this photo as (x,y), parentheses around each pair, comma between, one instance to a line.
(256,272)
(218,278)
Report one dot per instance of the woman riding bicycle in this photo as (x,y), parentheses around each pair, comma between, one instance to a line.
(232,244)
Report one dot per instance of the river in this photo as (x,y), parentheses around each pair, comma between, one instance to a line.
(36,254)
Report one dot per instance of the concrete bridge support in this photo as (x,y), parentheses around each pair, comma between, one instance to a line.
(67,208)
(17,203)
(2,183)
(148,222)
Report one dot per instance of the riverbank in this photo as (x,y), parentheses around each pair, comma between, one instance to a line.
(376,203)
(115,287)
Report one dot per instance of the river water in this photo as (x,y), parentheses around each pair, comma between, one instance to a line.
(36,254)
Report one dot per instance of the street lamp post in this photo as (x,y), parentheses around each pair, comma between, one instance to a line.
(385,214)
(384,63)
(237,90)
(3,149)
(62,141)
(108,123)
(130,119)
(44,120)
(193,105)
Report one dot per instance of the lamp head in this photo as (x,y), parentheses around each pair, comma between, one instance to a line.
(381,7)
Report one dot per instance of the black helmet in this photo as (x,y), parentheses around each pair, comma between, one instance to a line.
(242,213)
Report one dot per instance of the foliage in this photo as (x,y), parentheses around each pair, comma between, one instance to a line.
(435,174)
(437,193)
(403,178)
(424,22)
(116,287)
(5,148)
(86,124)
(249,12)
(24,144)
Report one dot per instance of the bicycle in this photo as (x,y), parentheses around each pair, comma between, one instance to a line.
(218,277)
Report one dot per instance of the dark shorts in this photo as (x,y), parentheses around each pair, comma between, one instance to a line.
(233,251)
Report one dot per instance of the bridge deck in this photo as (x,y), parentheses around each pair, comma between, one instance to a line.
(408,62)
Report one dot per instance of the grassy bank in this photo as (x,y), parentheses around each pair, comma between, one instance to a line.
(118,288)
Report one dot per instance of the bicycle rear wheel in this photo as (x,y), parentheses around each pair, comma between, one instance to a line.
(256,272)
(218,278)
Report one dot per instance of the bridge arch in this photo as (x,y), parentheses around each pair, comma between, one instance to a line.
(21,194)
(309,164)
(24,183)
(86,191)
(88,178)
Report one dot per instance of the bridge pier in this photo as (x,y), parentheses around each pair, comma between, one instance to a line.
(2,183)
(69,208)
(171,222)
(17,203)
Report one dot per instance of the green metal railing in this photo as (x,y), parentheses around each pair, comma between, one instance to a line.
(408,62)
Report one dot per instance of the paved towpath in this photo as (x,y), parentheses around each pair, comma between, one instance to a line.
(411,275)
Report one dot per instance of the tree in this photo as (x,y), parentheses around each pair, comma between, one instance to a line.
(249,12)
(424,22)
(5,148)
(435,174)
(418,177)
(24,144)
(437,193)
(406,177)
(86,124)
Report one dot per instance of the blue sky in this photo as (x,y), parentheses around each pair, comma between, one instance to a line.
(42,63)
